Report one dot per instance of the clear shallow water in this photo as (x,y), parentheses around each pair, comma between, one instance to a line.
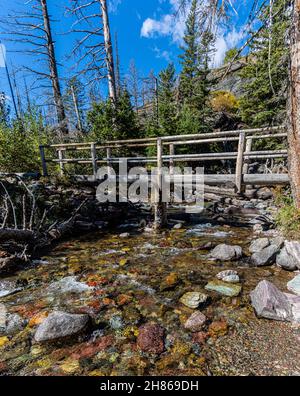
(122,284)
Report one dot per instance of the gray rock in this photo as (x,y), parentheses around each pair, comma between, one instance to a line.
(266,256)
(226,252)
(270,303)
(295,304)
(258,245)
(124,235)
(178,226)
(293,249)
(68,285)
(285,260)
(264,193)
(258,228)
(294,285)
(195,322)
(10,324)
(229,276)
(277,241)
(60,325)
(8,287)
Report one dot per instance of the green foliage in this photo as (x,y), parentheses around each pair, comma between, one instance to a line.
(230,55)
(167,101)
(19,145)
(264,101)
(194,85)
(108,123)
(288,217)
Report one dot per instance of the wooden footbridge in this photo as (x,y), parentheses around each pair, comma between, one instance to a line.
(199,149)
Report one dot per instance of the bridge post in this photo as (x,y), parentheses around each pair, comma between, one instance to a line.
(248,151)
(61,164)
(43,159)
(240,163)
(160,208)
(94,159)
(108,158)
(172,152)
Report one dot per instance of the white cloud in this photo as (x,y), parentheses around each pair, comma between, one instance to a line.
(162,54)
(174,27)
(224,42)
(167,25)
(2,55)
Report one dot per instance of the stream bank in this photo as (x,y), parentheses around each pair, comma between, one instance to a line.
(128,301)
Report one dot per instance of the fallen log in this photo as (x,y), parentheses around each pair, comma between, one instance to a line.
(7,234)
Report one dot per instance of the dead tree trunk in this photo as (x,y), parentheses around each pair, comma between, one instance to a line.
(109,53)
(61,115)
(294,106)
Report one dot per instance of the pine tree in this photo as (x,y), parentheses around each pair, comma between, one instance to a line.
(194,86)
(167,102)
(189,58)
(264,101)
(102,114)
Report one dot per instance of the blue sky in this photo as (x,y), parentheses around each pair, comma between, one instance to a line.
(147,31)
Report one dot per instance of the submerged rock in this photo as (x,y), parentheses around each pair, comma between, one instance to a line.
(286,261)
(169,282)
(229,276)
(270,303)
(193,299)
(68,285)
(10,324)
(8,287)
(218,329)
(258,245)
(60,325)
(294,285)
(151,338)
(226,252)
(195,322)
(266,256)
(226,289)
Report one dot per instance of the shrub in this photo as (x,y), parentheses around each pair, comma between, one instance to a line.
(223,101)
(19,145)
(288,216)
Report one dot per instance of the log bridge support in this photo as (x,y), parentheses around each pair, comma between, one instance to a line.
(101,153)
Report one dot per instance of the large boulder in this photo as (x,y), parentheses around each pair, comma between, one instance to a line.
(258,245)
(271,303)
(286,261)
(226,252)
(61,325)
(295,304)
(294,285)
(267,256)
(293,249)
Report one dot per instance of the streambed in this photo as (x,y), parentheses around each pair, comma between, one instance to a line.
(124,283)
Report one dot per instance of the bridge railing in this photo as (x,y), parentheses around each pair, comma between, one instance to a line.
(242,156)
